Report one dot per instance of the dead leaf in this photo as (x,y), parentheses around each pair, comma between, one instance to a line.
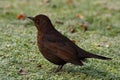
(59,22)
(71,29)
(84,26)
(69,2)
(80,16)
(21,16)
(46,1)
(22,71)
(73,41)
(108,27)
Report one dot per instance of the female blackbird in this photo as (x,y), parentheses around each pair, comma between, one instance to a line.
(57,48)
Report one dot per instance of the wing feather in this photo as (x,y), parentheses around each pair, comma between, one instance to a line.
(63,47)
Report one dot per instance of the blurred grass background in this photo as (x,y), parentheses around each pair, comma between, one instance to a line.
(18,49)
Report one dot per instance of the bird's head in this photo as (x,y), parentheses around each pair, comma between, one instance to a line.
(42,23)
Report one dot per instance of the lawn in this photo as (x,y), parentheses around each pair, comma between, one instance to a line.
(93,25)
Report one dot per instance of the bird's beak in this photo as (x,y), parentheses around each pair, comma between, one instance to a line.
(32,18)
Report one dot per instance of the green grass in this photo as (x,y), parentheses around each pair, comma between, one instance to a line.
(18,49)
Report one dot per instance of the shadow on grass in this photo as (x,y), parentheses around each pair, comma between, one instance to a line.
(90,71)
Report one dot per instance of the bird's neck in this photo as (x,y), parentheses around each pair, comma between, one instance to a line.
(45,29)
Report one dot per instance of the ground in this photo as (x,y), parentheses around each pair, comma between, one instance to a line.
(20,58)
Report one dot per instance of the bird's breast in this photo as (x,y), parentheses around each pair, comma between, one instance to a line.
(40,41)
(47,53)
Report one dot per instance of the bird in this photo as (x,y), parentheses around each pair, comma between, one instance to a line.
(57,48)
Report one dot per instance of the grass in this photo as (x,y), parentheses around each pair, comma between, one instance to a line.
(18,49)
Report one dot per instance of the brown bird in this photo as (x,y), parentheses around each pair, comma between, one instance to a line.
(57,48)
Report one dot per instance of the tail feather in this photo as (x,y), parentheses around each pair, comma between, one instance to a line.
(84,54)
(90,55)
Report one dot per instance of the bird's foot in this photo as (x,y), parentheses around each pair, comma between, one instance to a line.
(58,68)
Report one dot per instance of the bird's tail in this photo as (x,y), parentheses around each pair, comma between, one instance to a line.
(90,55)
(84,54)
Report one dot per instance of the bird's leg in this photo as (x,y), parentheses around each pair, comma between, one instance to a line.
(59,68)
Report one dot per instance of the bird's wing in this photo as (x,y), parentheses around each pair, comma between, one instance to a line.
(62,47)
